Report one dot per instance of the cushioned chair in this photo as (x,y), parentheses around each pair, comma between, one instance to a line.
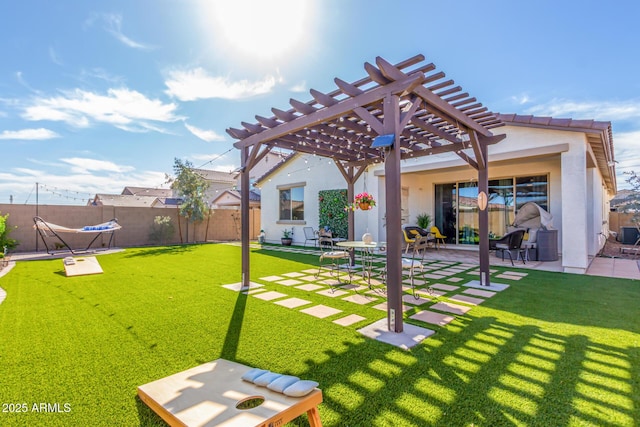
(438,237)
(333,259)
(510,243)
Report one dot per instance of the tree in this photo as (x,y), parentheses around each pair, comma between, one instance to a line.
(632,202)
(5,240)
(191,187)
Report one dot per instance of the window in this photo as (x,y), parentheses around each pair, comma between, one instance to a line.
(292,204)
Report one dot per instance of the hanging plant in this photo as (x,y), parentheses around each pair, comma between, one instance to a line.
(363,201)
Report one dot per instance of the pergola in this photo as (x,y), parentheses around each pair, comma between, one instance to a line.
(396,112)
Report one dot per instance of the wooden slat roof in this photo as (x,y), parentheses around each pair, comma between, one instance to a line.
(338,124)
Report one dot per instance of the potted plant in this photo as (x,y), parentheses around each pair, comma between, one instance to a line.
(424,221)
(363,201)
(286,239)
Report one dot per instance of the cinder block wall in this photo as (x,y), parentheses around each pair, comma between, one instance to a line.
(224,225)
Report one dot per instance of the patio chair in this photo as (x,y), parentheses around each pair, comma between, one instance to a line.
(416,261)
(333,259)
(438,237)
(310,234)
(409,238)
(511,243)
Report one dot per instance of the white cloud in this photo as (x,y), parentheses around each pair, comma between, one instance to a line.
(54,56)
(39,134)
(300,87)
(224,168)
(113,25)
(205,135)
(597,110)
(84,165)
(190,85)
(119,107)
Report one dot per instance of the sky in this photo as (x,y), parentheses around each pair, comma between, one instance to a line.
(96,96)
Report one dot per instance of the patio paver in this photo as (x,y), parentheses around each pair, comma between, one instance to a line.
(332,293)
(321,311)
(450,308)
(410,336)
(293,274)
(238,286)
(293,302)
(271,295)
(467,299)
(359,299)
(349,320)
(479,292)
(309,287)
(272,278)
(432,317)
(445,287)
(410,299)
(289,282)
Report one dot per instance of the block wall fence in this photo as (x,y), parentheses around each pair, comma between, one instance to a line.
(136,222)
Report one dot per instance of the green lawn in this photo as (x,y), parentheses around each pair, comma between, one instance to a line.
(552,350)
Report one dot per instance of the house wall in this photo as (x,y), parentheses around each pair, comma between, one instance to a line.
(318,173)
(136,224)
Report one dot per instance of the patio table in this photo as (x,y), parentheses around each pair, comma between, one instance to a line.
(366,254)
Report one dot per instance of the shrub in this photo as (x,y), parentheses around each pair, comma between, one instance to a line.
(162,230)
(5,240)
(424,220)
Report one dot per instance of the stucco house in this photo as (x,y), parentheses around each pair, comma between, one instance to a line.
(566,166)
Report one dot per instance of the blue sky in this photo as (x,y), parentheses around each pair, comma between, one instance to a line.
(95,96)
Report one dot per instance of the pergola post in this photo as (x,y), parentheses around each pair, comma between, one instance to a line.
(244,214)
(483,213)
(393,216)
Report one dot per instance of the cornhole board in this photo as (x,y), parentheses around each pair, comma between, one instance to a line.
(207,395)
(81,266)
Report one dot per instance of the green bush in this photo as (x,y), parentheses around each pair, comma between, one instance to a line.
(5,240)
(162,230)
(332,212)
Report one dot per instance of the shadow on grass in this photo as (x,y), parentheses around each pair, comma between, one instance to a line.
(481,372)
(162,250)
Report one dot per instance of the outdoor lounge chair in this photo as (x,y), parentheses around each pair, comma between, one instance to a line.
(46,229)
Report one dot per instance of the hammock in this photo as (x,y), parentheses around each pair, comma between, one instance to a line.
(47,229)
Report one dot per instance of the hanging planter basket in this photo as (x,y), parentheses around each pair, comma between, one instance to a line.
(364,206)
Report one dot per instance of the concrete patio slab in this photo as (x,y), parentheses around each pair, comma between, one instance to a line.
(349,320)
(450,308)
(497,287)
(360,299)
(467,299)
(433,318)
(271,295)
(309,287)
(293,302)
(444,287)
(320,311)
(271,278)
(508,276)
(289,282)
(332,293)
(409,337)
(479,292)
(383,306)
(293,274)
(454,279)
(238,286)
(410,299)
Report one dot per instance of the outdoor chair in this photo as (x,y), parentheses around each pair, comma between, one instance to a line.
(511,243)
(333,259)
(416,261)
(310,234)
(438,237)
(409,239)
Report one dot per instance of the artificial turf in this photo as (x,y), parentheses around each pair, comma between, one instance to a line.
(552,350)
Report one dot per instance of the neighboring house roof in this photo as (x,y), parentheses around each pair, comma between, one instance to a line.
(146,191)
(599,136)
(167,202)
(216,176)
(277,166)
(233,197)
(123,200)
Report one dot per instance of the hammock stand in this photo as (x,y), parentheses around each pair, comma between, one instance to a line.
(47,229)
